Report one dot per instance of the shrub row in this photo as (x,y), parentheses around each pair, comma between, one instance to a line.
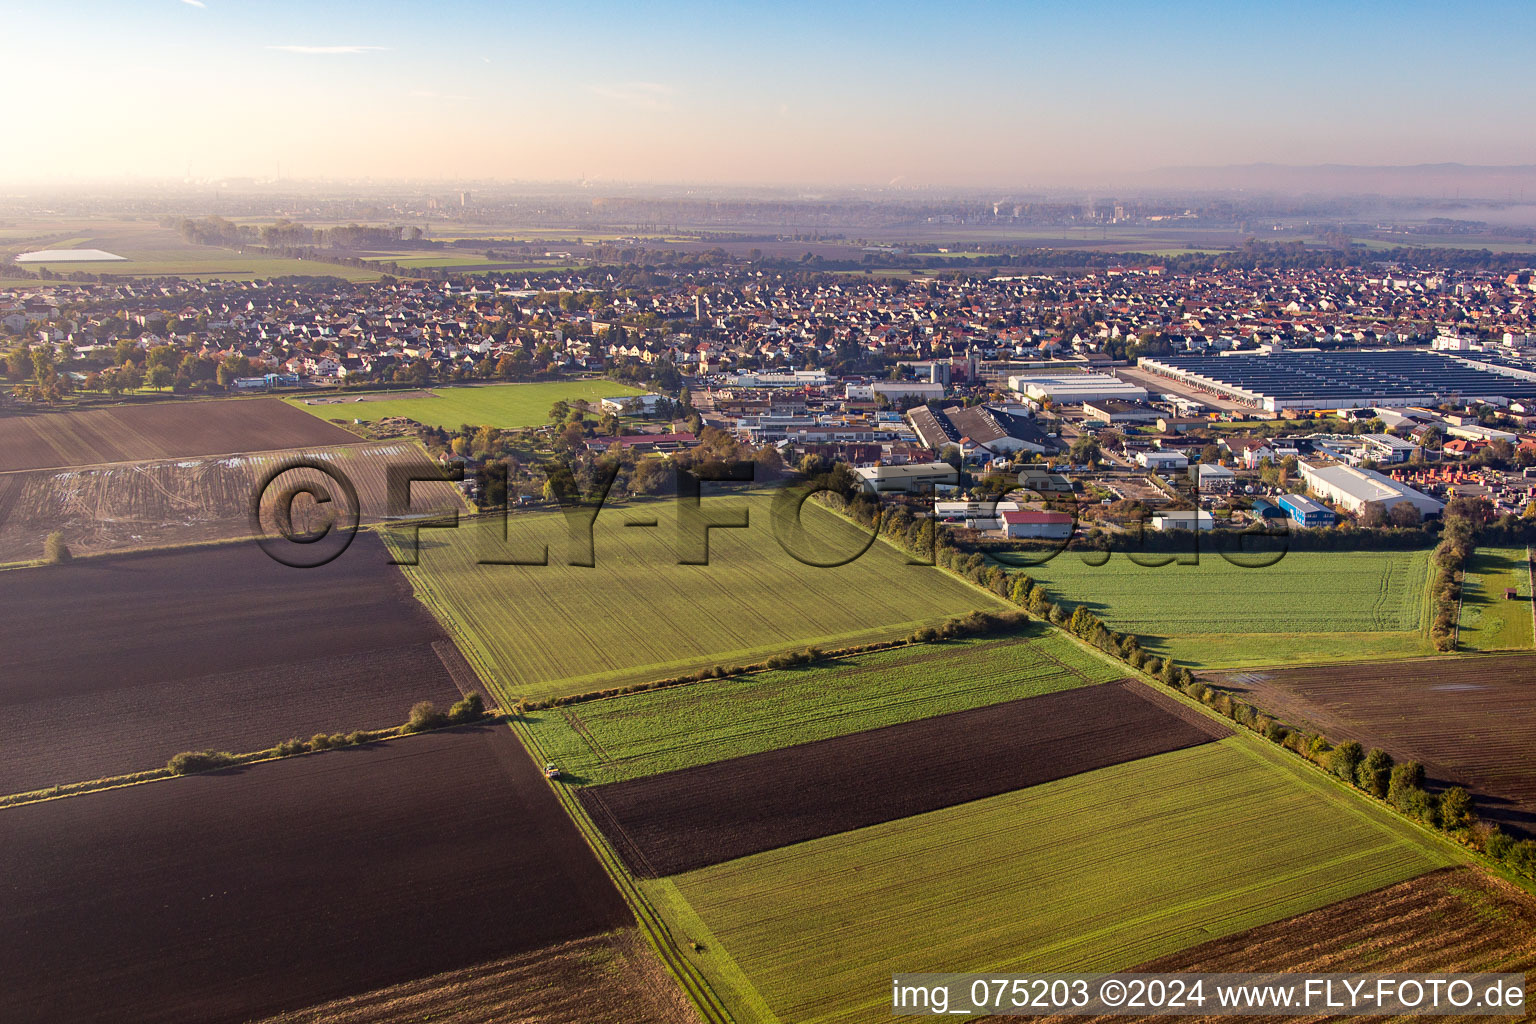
(424,716)
(976,623)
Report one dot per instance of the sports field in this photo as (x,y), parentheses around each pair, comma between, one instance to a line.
(638,614)
(657,731)
(491,405)
(1310,606)
(1489,620)
(1096,872)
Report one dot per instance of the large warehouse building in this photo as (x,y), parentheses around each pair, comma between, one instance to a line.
(1352,488)
(1076,388)
(1343,380)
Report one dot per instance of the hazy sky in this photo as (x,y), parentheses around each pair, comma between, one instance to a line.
(1009,94)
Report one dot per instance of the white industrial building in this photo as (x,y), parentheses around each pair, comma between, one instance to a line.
(1352,488)
(913,477)
(974,515)
(923,390)
(1033,523)
(1076,388)
(1183,521)
(1162,462)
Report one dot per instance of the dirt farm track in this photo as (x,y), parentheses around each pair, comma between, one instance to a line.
(170,430)
(291,883)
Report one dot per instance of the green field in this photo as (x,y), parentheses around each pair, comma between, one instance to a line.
(1489,622)
(661,730)
(1100,871)
(639,614)
(490,405)
(1310,606)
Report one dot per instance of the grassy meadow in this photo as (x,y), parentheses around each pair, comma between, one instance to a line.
(1310,606)
(656,731)
(487,405)
(1490,622)
(640,614)
(1100,871)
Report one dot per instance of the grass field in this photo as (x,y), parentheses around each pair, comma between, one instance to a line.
(491,405)
(1310,606)
(1096,872)
(662,730)
(639,614)
(1489,622)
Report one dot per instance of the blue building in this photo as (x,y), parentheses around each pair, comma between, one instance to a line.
(1305,511)
(1265,509)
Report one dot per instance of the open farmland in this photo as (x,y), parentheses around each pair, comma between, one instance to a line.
(545,630)
(1489,621)
(1310,606)
(190,501)
(641,734)
(150,250)
(1095,872)
(168,430)
(605,979)
(1470,720)
(688,819)
(480,405)
(290,883)
(1454,921)
(113,665)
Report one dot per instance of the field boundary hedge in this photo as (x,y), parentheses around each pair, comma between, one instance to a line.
(424,718)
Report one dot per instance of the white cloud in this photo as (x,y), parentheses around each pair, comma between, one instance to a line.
(328,49)
(640,95)
(194,3)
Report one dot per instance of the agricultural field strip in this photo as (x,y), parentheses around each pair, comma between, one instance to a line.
(646,733)
(639,615)
(1470,720)
(694,817)
(1488,620)
(1305,592)
(159,432)
(1453,920)
(497,405)
(96,936)
(196,647)
(1095,872)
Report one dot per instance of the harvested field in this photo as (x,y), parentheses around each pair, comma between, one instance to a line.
(170,430)
(1453,921)
(1470,720)
(196,500)
(290,883)
(641,734)
(605,979)
(1096,872)
(688,819)
(115,664)
(645,609)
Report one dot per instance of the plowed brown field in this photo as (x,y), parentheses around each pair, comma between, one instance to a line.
(607,979)
(1457,920)
(682,820)
(135,433)
(113,665)
(1470,720)
(236,895)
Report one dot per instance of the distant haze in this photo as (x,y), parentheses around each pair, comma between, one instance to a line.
(1091,94)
